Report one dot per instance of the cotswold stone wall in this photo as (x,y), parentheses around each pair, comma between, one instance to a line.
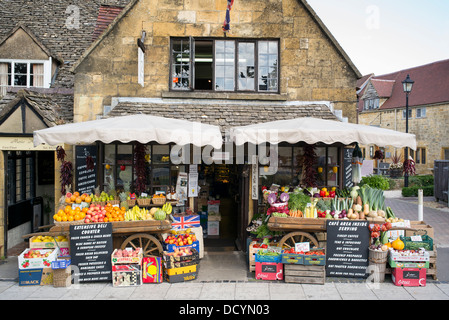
(431,132)
(311,68)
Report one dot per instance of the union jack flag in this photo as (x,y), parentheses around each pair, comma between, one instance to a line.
(184,222)
(226,23)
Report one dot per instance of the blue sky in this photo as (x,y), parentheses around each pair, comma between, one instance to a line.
(383,36)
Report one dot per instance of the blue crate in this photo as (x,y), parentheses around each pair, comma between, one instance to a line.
(60,264)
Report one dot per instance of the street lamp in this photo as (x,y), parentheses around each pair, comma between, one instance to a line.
(407,86)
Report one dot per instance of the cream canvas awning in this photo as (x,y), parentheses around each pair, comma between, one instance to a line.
(142,128)
(314,130)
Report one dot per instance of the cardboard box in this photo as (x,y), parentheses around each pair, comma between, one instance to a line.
(408,264)
(126,275)
(269,271)
(171,247)
(36,277)
(213,228)
(37,263)
(292,258)
(422,229)
(315,260)
(127,260)
(152,270)
(64,246)
(409,277)
(181,274)
(170,261)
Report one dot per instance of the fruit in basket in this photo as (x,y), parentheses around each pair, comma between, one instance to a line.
(137,213)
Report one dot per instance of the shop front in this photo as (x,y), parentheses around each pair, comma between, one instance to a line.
(265,197)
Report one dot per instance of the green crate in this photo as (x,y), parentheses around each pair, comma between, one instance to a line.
(426,243)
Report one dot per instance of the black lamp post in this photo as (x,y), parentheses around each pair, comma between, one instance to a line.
(407,85)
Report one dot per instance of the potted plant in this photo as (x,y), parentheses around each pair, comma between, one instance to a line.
(396,166)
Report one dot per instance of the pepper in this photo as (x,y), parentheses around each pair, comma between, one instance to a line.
(332,194)
(322,193)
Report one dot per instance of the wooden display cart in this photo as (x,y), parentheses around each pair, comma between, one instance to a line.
(299,230)
(146,234)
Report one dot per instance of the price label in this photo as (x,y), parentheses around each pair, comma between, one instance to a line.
(302,246)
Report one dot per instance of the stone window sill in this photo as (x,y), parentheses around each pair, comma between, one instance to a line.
(225,95)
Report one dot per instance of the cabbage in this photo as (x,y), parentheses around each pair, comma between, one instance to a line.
(271,198)
(284,197)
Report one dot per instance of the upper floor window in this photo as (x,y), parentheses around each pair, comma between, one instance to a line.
(22,73)
(371,104)
(224,65)
(420,112)
(404,113)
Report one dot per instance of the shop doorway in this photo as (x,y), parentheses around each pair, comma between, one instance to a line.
(221,184)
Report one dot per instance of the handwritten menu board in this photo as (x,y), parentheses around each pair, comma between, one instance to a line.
(347,248)
(90,251)
(86,179)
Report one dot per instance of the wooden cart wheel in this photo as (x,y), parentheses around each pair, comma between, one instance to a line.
(291,238)
(149,244)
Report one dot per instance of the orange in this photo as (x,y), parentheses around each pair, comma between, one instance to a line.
(67,209)
(58,218)
(78,209)
(85,209)
(68,200)
(60,212)
(88,199)
(64,219)
(106,219)
(70,218)
(82,215)
(73,198)
(123,208)
(78,200)
(77,217)
(72,212)
(76,194)
(83,196)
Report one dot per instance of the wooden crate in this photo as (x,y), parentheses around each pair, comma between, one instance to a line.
(296,273)
(322,239)
(432,270)
(252,256)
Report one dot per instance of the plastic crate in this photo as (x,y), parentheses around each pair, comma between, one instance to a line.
(426,243)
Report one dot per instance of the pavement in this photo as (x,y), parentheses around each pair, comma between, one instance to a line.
(224,276)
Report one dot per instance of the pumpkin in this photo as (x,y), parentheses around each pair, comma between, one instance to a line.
(160,214)
(398,244)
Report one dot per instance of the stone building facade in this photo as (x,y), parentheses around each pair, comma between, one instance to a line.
(313,67)
(382,104)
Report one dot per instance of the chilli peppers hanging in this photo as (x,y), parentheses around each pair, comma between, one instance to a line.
(140,167)
(310,159)
(66,169)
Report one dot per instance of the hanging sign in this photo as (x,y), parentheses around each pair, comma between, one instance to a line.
(85,178)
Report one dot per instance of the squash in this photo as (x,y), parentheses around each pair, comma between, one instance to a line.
(398,244)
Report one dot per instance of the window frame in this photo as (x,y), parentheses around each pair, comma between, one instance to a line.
(47,64)
(422,112)
(236,41)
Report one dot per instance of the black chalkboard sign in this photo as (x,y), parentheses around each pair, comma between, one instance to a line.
(347,248)
(90,251)
(347,167)
(85,180)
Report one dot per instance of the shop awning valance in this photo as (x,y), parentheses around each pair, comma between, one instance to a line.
(313,130)
(142,128)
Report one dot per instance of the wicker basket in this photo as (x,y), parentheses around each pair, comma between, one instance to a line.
(99,203)
(159,201)
(144,202)
(377,264)
(68,223)
(113,202)
(62,277)
(131,203)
